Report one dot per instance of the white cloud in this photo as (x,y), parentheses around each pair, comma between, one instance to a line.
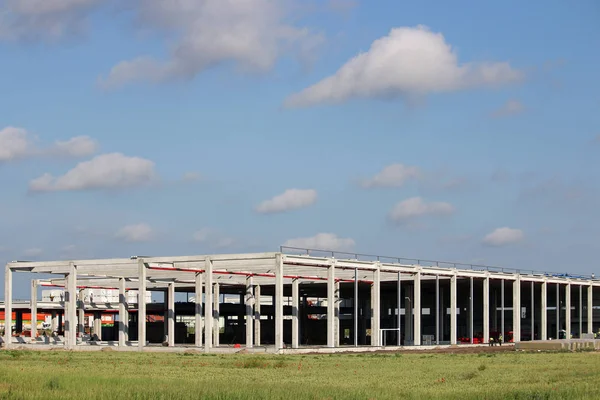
(15,143)
(394,175)
(213,238)
(322,241)
(191,177)
(511,107)
(291,199)
(250,34)
(45,20)
(79,146)
(503,236)
(409,62)
(415,207)
(136,233)
(105,171)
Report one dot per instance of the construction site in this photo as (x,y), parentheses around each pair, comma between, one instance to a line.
(292,300)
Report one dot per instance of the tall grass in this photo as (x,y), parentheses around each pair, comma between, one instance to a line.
(120,375)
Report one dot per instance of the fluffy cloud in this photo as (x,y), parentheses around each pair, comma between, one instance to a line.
(409,62)
(503,236)
(511,107)
(416,207)
(15,143)
(135,233)
(322,241)
(105,171)
(251,34)
(291,199)
(44,19)
(394,175)
(79,146)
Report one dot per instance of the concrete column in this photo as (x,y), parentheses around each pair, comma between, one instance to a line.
(295,312)
(517,310)
(376,306)
(98,324)
(208,311)
(34,290)
(141,304)
(336,315)
(198,328)
(249,303)
(503,303)
(544,311)
(437,309)
(557,310)
(54,324)
(80,313)
(471,310)
(568,310)
(171,315)
(580,311)
(453,318)
(71,299)
(123,315)
(8,307)
(417,307)
(331,305)
(532,310)
(278,302)
(590,310)
(486,309)
(216,314)
(257,315)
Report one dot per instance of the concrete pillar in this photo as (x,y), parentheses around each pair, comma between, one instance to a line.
(123,315)
(142,303)
(249,303)
(336,315)
(98,324)
(532,310)
(80,313)
(376,306)
(198,328)
(278,302)
(208,311)
(486,309)
(54,323)
(453,318)
(590,310)
(417,307)
(517,310)
(8,307)
(171,314)
(437,309)
(544,311)
(502,305)
(580,311)
(295,312)
(257,315)
(331,305)
(71,299)
(216,315)
(471,311)
(34,290)
(568,310)
(557,310)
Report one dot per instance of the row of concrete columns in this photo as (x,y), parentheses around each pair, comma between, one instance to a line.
(74,307)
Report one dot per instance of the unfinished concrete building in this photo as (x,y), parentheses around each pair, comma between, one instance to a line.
(306,299)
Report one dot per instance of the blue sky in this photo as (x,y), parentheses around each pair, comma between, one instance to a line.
(466,132)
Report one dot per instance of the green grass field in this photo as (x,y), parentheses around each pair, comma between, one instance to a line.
(115,375)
